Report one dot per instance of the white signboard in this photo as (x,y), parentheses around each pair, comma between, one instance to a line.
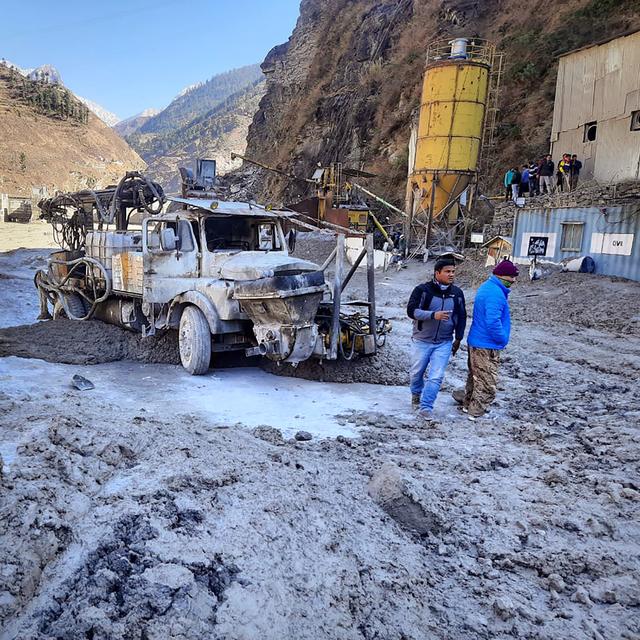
(617,244)
(477,238)
(551,244)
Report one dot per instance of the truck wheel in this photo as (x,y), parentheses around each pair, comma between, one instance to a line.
(194,339)
(74,304)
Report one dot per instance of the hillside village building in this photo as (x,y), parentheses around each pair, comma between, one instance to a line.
(597,109)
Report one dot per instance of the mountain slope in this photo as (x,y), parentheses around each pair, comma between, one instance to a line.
(208,119)
(128,126)
(57,146)
(216,135)
(109,118)
(356,105)
(50,75)
(200,99)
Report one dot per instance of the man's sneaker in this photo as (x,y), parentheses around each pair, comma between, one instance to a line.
(458,395)
(415,400)
(426,416)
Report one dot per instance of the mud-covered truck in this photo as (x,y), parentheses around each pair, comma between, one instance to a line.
(221,273)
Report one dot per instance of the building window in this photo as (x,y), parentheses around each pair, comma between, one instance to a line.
(572,236)
(635,121)
(590,131)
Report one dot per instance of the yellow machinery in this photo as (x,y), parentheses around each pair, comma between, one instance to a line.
(451,127)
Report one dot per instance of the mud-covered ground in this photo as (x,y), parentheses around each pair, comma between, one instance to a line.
(129,517)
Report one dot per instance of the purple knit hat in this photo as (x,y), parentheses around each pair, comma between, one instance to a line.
(506,268)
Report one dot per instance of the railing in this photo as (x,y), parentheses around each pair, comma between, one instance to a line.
(472,49)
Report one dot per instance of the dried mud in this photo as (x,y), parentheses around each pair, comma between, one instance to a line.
(87,342)
(125,521)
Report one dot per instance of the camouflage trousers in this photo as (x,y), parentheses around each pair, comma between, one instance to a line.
(482,380)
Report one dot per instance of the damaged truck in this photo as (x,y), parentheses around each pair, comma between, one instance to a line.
(220,273)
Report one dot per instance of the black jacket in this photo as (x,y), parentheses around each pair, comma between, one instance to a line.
(424,295)
(546,168)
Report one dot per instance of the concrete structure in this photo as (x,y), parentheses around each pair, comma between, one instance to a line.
(610,235)
(597,109)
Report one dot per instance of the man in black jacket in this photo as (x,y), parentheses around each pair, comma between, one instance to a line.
(438,311)
(545,174)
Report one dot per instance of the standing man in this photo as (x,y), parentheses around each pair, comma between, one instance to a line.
(489,334)
(545,174)
(438,311)
(564,172)
(507,184)
(516,178)
(574,169)
(525,179)
(534,185)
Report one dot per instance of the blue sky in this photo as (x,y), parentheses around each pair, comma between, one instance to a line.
(128,55)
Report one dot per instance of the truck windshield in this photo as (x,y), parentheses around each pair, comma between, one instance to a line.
(244,234)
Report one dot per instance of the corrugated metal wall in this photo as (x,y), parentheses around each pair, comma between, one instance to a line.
(600,84)
(610,235)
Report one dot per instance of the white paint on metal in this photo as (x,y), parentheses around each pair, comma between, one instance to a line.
(551,246)
(615,244)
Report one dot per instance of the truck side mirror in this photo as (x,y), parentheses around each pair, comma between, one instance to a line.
(291,240)
(168,239)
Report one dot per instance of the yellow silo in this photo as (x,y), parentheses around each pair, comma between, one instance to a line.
(452,114)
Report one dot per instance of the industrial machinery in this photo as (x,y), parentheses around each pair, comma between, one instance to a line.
(336,200)
(219,272)
(460,82)
(201,181)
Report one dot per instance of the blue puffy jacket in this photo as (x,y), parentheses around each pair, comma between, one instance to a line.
(491,324)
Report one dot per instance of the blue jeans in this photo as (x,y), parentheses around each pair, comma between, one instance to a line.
(435,357)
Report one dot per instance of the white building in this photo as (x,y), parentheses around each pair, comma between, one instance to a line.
(597,109)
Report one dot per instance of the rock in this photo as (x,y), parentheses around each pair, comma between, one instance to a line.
(630,494)
(504,608)
(388,489)
(556,583)
(553,476)
(268,434)
(303,436)
(581,595)
(169,575)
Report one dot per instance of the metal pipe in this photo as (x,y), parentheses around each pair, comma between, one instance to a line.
(381,228)
(371,284)
(379,199)
(329,259)
(337,291)
(356,264)
(268,168)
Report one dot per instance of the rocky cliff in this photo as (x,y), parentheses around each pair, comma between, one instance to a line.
(347,83)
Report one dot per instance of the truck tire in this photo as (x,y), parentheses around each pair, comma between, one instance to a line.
(74,304)
(194,340)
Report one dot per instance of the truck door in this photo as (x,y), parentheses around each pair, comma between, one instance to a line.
(170,258)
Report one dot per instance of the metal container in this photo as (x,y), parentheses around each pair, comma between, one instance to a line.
(452,114)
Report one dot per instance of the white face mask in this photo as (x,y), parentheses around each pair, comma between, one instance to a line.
(442,286)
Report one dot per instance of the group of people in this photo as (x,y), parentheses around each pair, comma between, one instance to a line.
(536,178)
(439,315)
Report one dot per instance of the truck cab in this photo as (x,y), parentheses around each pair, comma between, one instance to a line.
(219,272)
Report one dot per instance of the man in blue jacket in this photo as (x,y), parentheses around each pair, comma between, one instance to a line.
(489,334)
(438,311)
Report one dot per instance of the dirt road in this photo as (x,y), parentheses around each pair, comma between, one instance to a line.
(160,506)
